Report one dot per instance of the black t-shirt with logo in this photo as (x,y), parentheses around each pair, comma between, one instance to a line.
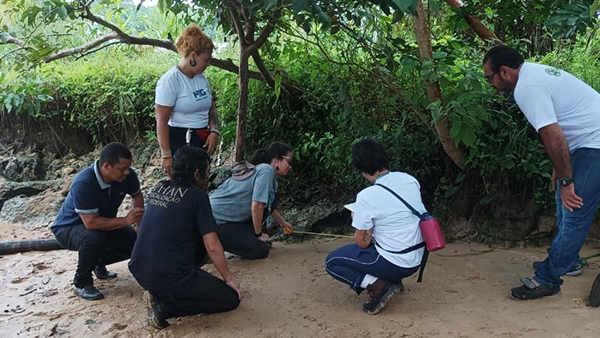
(174,222)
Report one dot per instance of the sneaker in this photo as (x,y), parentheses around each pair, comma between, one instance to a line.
(102,273)
(153,312)
(529,291)
(380,293)
(575,270)
(594,299)
(88,292)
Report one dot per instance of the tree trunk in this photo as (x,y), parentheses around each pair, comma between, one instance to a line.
(482,31)
(434,93)
(11,247)
(242,104)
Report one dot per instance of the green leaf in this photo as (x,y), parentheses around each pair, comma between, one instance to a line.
(298,5)
(62,12)
(277,85)
(489,198)
(406,5)
(439,55)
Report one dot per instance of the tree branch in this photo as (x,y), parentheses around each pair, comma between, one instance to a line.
(81,49)
(479,28)
(265,33)
(237,23)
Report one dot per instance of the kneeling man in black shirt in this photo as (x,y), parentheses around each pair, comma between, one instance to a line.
(178,224)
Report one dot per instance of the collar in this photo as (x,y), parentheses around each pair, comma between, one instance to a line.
(381,175)
(103,185)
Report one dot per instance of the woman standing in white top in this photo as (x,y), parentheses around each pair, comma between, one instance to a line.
(388,243)
(185,109)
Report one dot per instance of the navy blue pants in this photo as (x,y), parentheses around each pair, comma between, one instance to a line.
(95,248)
(573,227)
(350,263)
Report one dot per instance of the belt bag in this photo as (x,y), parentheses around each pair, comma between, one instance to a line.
(430,227)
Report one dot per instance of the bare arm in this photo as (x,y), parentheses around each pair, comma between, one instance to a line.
(363,238)
(284,224)
(557,148)
(215,252)
(213,123)
(137,200)
(96,222)
(258,210)
(213,118)
(163,114)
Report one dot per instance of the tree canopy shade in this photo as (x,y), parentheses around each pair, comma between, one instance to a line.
(47,31)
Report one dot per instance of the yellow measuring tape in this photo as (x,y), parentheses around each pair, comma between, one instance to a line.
(320,234)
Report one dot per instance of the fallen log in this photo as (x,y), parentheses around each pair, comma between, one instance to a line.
(11,247)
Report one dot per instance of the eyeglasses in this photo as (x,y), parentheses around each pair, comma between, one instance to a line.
(289,159)
(489,78)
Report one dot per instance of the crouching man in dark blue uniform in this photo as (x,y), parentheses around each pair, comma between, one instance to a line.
(88,222)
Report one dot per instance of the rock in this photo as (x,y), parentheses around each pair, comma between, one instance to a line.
(322,216)
(218,175)
(23,167)
(9,189)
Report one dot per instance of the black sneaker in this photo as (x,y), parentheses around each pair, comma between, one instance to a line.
(594,300)
(88,292)
(529,291)
(153,312)
(102,273)
(380,293)
(575,270)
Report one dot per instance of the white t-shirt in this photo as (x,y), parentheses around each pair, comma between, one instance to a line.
(191,99)
(548,95)
(395,227)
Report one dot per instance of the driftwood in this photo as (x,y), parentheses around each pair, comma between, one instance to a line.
(12,247)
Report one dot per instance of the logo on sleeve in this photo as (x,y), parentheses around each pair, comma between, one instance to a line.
(552,71)
(199,94)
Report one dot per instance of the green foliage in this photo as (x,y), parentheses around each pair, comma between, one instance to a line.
(23,95)
(109,95)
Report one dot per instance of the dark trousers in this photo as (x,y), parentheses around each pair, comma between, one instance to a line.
(350,263)
(177,139)
(239,239)
(206,294)
(95,248)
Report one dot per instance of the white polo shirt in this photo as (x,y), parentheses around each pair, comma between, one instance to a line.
(395,227)
(548,95)
(191,99)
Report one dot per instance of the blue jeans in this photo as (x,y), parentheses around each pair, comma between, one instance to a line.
(573,227)
(350,263)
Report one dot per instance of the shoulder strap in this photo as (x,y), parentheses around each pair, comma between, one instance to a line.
(413,248)
(401,199)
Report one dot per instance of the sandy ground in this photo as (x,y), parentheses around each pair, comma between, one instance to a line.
(464,294)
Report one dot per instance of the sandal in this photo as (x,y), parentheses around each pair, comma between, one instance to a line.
(529,290)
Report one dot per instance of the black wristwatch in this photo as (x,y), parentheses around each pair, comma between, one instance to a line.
(565,182)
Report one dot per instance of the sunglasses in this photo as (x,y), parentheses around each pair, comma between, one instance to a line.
(289,159)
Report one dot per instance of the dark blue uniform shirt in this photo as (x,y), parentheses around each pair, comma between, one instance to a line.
(89,194)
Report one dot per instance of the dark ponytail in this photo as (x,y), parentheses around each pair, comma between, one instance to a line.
(266,155)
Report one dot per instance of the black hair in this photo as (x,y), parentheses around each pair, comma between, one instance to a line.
(185,163)
(266,155)
(503,56)
(369,156)
(112,152)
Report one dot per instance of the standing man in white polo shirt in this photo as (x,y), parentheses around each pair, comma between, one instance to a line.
(566,113)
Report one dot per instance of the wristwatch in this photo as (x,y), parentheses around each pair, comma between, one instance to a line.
(565,182)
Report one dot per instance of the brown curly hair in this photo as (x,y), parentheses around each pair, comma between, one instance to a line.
(193,40)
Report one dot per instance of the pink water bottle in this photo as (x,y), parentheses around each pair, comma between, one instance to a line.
(432,234)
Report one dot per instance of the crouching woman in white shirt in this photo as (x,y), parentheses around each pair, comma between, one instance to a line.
(385,230)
